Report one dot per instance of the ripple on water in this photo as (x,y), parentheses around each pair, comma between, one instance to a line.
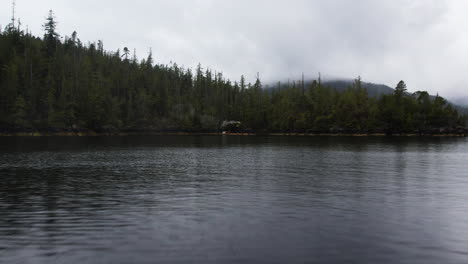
(233,200)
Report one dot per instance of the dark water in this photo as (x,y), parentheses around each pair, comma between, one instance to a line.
(233,200)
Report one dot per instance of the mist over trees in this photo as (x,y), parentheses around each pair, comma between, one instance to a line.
(61,84)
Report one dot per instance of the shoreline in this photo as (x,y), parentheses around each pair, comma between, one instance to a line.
(273,134)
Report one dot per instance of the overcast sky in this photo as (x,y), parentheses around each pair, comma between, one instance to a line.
(424,42)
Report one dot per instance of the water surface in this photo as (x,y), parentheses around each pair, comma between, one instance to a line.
(167,199)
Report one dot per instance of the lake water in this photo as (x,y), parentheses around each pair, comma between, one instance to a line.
(169,199)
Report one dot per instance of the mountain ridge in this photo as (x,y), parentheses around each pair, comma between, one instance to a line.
(376,90)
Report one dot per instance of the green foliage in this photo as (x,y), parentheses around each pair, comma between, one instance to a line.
(52,84)
(400,90)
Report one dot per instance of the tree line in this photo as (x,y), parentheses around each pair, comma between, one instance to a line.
(61,84)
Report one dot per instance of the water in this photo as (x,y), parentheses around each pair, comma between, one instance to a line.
(214,199)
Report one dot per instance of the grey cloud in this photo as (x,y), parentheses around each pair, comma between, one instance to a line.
(420,41)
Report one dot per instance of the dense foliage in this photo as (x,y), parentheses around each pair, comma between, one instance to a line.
(51,83)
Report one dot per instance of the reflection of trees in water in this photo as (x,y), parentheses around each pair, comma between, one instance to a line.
(62,192)
(101,186)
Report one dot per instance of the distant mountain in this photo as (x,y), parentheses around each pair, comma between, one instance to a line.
(463,101)
(461,109)
(374,90)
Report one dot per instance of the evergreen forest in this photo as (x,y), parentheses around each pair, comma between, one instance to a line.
(53,83)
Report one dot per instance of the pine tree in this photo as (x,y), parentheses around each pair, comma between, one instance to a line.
(51,35)
(126,53)
(400,90)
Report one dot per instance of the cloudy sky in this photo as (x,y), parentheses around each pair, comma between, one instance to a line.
(424,42)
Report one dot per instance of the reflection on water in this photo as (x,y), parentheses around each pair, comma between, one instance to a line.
(233,200)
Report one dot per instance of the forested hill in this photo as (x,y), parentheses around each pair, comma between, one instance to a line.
(461,104)
(61,84)
(373,90)
(377,90)
(341,85)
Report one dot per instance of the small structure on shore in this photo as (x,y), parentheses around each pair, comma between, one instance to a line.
(231,126)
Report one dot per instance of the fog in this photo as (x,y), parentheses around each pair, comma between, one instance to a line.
(420,41)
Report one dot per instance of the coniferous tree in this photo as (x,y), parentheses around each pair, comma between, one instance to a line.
(50,35)
(126,53)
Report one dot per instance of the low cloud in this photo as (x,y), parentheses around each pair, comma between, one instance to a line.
(420,41)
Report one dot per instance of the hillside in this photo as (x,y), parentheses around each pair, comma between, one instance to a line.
(374,90)
(462,101)
(49,84)
(377,90)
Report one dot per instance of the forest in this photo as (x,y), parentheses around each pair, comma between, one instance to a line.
(53,83)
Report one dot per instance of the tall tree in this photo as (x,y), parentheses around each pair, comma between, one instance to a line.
(126,53)
(51,35)
(400,89)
